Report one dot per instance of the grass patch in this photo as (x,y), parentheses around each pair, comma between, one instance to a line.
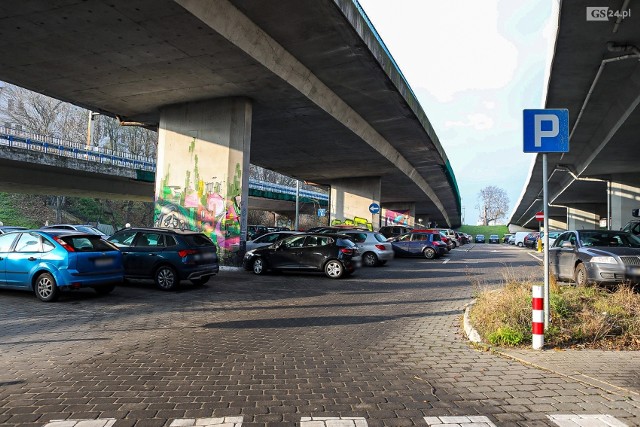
(590,317)
(487,230)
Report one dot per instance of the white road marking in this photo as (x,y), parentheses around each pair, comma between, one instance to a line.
(459,421)
(208,422)
(104,422)
(530,254)
(597,420)
(446,261)
(333,422)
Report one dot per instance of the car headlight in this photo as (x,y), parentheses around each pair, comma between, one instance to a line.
(249,254)
(603,260)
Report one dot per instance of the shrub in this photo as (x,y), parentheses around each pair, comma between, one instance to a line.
(506,336)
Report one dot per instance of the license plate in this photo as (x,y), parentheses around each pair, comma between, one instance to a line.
(103,262)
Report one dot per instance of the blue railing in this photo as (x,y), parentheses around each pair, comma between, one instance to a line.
(60,147)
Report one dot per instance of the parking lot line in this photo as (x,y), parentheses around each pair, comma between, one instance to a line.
(208,422)
(596,420)
(333,422)
(460,420)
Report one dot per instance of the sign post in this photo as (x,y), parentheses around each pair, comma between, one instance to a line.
(545,131)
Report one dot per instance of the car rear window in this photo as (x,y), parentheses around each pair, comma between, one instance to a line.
(380,237)
(198,240)
(91,243)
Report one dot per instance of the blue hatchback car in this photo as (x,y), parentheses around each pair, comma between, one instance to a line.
(415,243)
(47,262)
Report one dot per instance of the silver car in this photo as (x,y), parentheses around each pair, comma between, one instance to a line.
(373,248)
(268,239)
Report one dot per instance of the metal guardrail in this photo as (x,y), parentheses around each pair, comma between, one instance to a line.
(60,147)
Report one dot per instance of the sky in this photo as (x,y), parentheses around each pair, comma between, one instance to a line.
(474,65)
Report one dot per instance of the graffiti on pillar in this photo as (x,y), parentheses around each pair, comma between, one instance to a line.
(397,217)
(212,207)
(356,221)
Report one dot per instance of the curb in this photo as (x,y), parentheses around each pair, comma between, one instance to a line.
(472,334)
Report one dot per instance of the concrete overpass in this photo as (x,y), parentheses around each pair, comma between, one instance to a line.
(596,75)
(303,87)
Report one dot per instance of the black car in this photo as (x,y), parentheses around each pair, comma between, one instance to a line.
(389,231)
(331,253)
(479,238)
(166,255)
(494,238)
(531,240)
(596,256)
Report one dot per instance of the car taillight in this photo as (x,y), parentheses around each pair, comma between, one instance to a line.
(380,247)
(347,251)
(183,253)
(64,244)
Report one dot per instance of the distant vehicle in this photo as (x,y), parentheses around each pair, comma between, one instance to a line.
(84,228)
(254,231)
(9,228)
(330,253)
(553,235)
(389,231)
(494,238)
(443,239)
(419,243)
(505,238)
(373,248)
(451,235)
(479,238)
(166,255)
(269,239)
(512,239)
(47,262)
(531,240)
(519,238)
(596,256)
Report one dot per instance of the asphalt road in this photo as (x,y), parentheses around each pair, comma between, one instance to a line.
(383,347)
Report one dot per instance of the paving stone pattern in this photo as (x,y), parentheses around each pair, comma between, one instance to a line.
(384,345)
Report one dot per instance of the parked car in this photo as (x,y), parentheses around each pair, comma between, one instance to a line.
(48,262)
(512,239)
(332,254)
(373,247)
(419,243)
(531,240)
(336,229)
(596,256)
(85,228)
(506,237)
(494,238)
(451,235)
(444,239)
(9,228)
(479,238)
(166,255)
(390,231)
(519,238)
(268,239)
(255,231)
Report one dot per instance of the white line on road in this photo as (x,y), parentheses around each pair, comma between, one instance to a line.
(586,420)
(208,422)
(333,422)
(446,261)
(467,421)
(539,259)
(104,422)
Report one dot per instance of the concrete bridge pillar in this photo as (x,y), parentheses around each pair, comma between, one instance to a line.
(623,199)
(350,200)
(401,214)
(203,153)
(580,220)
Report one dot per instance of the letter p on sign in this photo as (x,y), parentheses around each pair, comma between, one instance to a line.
(546,131)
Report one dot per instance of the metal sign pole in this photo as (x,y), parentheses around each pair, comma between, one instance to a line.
(545,198)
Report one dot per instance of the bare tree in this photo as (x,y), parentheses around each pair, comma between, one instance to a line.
(493,203)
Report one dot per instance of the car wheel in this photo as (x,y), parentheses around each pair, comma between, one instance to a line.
(370,259)
(334,269)
(520,244)
(201,281)
(45,288)
(259,266)
(580,275)
(166,278)
(429,253)
(104,290)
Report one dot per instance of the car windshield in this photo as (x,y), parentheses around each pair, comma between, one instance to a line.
(609,239)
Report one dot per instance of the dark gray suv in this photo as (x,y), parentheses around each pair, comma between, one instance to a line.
(166,255)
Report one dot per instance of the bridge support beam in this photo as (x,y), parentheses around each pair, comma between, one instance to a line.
(623,198)
(350,200)
(203,152)
(582,220)
(400,214)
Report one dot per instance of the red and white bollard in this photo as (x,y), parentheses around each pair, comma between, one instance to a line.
(537,325)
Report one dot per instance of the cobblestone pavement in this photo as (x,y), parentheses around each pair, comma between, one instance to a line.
(381,348)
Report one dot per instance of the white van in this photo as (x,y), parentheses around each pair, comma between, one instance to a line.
(520,235)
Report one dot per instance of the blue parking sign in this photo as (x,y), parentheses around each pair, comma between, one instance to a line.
(546,131)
